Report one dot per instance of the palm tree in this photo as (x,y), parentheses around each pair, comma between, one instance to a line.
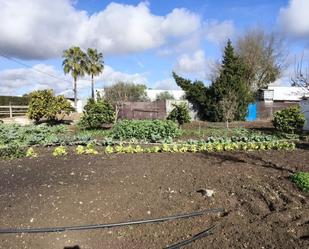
(74,63)
(94,65)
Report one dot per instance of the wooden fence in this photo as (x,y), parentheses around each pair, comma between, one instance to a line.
(13,110)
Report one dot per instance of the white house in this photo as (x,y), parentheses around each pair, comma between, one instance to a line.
(284,94)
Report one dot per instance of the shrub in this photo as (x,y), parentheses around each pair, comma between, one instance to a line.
(44,104)
(97,113)
(151,130)
(289,120)
(301,179)
(180,114)
(31,153)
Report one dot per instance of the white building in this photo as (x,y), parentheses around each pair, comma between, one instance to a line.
(284,94)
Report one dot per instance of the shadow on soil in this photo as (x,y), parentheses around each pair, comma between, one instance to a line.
(72,247)
(249,158)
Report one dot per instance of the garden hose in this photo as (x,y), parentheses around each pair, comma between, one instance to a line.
(110,225)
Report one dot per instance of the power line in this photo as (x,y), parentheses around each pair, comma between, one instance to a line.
(34,69)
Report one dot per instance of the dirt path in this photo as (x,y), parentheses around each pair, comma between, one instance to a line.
(265,210)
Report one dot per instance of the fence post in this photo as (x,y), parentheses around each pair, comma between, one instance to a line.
(11,111)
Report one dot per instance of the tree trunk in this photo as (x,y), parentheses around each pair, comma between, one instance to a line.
(75,94)
(227,124)
(92,87)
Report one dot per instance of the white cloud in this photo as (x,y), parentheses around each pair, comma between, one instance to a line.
(294,18)
(43,29)
(218,32)
(23,80)
(195,63)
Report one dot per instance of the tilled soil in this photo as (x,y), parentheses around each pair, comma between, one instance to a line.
(263,208)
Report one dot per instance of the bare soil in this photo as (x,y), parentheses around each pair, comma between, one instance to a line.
(264,209)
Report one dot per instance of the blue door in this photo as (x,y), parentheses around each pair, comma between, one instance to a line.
(251,116)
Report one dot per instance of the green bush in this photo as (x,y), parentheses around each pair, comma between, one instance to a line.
(44,104)
(301,179)
(96,114)
(289,120)
(180,114)
(151,130)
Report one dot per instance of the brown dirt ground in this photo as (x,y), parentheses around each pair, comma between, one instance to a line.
(264,209)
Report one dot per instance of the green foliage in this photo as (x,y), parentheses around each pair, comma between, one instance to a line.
(289,120)
(74,63)
(301,179)
(31,153)
(231,80)
(150,130)
(203,147)
(97,113)
(30,134)
(94,65)
(89,149)
(12,151)
(180,114)
(14,100)
(60,151)
(44,104)
(164,96)
(122,92)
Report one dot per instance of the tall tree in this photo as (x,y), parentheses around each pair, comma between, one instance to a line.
(74,63)
(211,102)
(264,54)
(95,65)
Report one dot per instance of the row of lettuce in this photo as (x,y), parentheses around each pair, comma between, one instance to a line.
(93,149)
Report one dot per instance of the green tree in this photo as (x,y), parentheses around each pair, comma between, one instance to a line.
(44,104)
(95,65)
(125,92)
(74,63)
(164,96)
(231,80)
(208,101)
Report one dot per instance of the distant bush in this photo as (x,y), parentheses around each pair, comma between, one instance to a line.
(14,100)
(301,179)
(151,130)
(180,114)
(44,104)
(96,114)
(289,120)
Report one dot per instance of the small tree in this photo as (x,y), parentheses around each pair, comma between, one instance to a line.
(96,114)
(44,104)
(164,96)
(180,114)
(228,105)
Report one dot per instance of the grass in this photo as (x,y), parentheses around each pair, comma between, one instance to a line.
(301,179)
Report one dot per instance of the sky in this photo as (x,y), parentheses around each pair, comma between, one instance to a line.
(142,41)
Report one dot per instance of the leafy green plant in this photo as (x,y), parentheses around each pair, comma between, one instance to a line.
(180,114)
(150,130)
(289,120)
(12,151)
(31,153)
(44,104)
(301,179)
(96,114)
(60,151)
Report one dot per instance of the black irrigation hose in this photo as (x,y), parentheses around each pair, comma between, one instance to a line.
(110,225)
(192,239)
